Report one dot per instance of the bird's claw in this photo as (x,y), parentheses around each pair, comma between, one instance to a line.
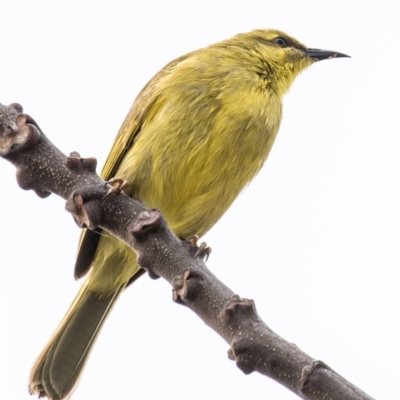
(194,239)
(203,251)
(118,185)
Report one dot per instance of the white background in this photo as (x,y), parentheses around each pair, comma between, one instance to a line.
(314,240)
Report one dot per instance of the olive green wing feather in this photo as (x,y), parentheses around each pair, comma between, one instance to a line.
(129,130)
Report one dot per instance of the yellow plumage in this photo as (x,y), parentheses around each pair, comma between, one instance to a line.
(195,136)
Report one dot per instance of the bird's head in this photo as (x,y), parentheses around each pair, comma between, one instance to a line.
(282,56)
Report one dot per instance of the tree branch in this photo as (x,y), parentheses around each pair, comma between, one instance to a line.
(255,347)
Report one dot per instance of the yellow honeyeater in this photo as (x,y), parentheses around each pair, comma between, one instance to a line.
(195,136)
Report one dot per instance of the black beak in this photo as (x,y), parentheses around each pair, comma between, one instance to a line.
(323,54)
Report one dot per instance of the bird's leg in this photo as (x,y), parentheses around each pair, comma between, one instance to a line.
(119,185)
(203,251)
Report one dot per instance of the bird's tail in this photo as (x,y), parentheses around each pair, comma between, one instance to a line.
(57,370)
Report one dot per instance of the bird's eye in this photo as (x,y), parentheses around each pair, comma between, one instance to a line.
(280,41)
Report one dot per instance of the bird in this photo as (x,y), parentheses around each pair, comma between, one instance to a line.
(195,136)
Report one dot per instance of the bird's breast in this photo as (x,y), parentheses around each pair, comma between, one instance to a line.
(199,150)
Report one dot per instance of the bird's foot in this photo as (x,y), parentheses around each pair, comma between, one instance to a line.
(203,251)
(119,185)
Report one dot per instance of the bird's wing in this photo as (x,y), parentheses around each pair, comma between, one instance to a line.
(134,120)
(129,130)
